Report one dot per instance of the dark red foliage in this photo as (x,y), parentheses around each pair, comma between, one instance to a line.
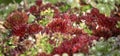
(33,9)
(43,54)
(57,50)
(67,27)
(57,16)
(75,31)
(95,11)
(19,30)
(74,17)
(47,31)
(52,42)
(102,32)
(38,2)
(16,18)
(115,31)
(65,16)
(34,28)
(76,44)
(59,25)
(82,42)
(107,22)
(101,25)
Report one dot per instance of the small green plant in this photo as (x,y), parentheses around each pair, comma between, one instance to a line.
(85,28)
(105,47)
(44,21)
(49,12)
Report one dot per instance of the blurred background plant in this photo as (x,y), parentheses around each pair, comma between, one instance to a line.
(106,48)
(105,6)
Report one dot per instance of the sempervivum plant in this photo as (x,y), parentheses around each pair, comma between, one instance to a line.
(60,29)
(25,29)
(102,47)
(19,30)
(18,23)
(59,25)
(77,44)
(100,24)
(16,18)
(39,7)
(34,28)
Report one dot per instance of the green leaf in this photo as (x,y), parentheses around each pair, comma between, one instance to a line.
(4,35)
(104,8)
(52,1)
(44,21)
(85,8)
(74,3)
(65,7)
(45,45)
(105,47)
(49,12)
(85,28)
(31,18)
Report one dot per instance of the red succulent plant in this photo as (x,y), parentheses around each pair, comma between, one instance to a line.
(34,10)
(38,2)
(16,18)
(100,24)
(76,44)
(59,25)
(19,30)
(34,28)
